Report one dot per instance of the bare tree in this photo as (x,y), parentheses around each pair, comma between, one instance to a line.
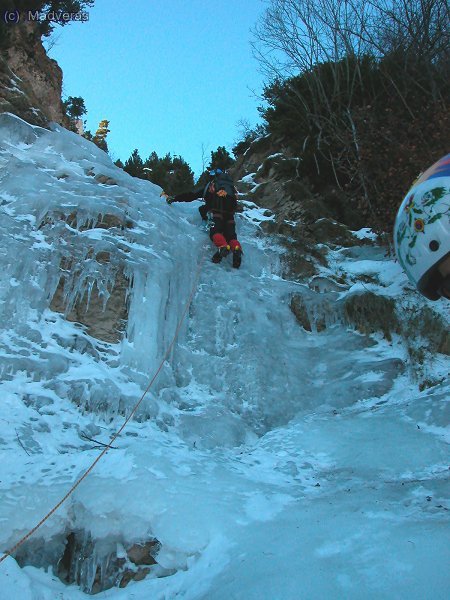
(204,157)
(420,28)
(294,35)
(244,128)
(417,34)
(321,51)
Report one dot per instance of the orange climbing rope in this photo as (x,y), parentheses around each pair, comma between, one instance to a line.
(116,435)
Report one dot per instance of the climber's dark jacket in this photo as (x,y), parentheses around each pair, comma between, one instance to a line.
(218,206)
(223,230)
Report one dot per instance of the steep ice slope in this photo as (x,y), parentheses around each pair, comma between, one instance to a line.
(269,462)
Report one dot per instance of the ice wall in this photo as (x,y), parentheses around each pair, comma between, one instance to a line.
(62,226)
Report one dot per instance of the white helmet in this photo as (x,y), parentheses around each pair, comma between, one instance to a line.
(422,231)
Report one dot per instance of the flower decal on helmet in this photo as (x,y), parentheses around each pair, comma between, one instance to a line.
(410,204)
(419,225)
(419,212)
(422,228)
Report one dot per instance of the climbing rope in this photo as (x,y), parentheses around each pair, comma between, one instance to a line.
(116,435)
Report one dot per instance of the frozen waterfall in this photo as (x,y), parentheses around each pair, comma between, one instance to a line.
(266,461)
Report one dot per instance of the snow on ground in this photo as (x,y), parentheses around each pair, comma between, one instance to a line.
(250,178)
(268,461)
(365,233)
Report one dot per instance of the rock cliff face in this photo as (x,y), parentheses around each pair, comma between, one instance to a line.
(104,313)
(30,81)
(305,219)
(317,229)
(281,186)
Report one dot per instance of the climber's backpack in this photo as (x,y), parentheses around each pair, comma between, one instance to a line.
(221,193)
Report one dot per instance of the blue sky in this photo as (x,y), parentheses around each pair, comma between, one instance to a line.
(168,75)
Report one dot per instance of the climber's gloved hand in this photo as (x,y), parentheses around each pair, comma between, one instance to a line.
(169,199)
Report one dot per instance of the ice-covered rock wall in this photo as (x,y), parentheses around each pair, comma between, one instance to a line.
(93,244)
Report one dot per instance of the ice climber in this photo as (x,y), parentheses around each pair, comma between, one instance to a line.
(422,232)
(220,198)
